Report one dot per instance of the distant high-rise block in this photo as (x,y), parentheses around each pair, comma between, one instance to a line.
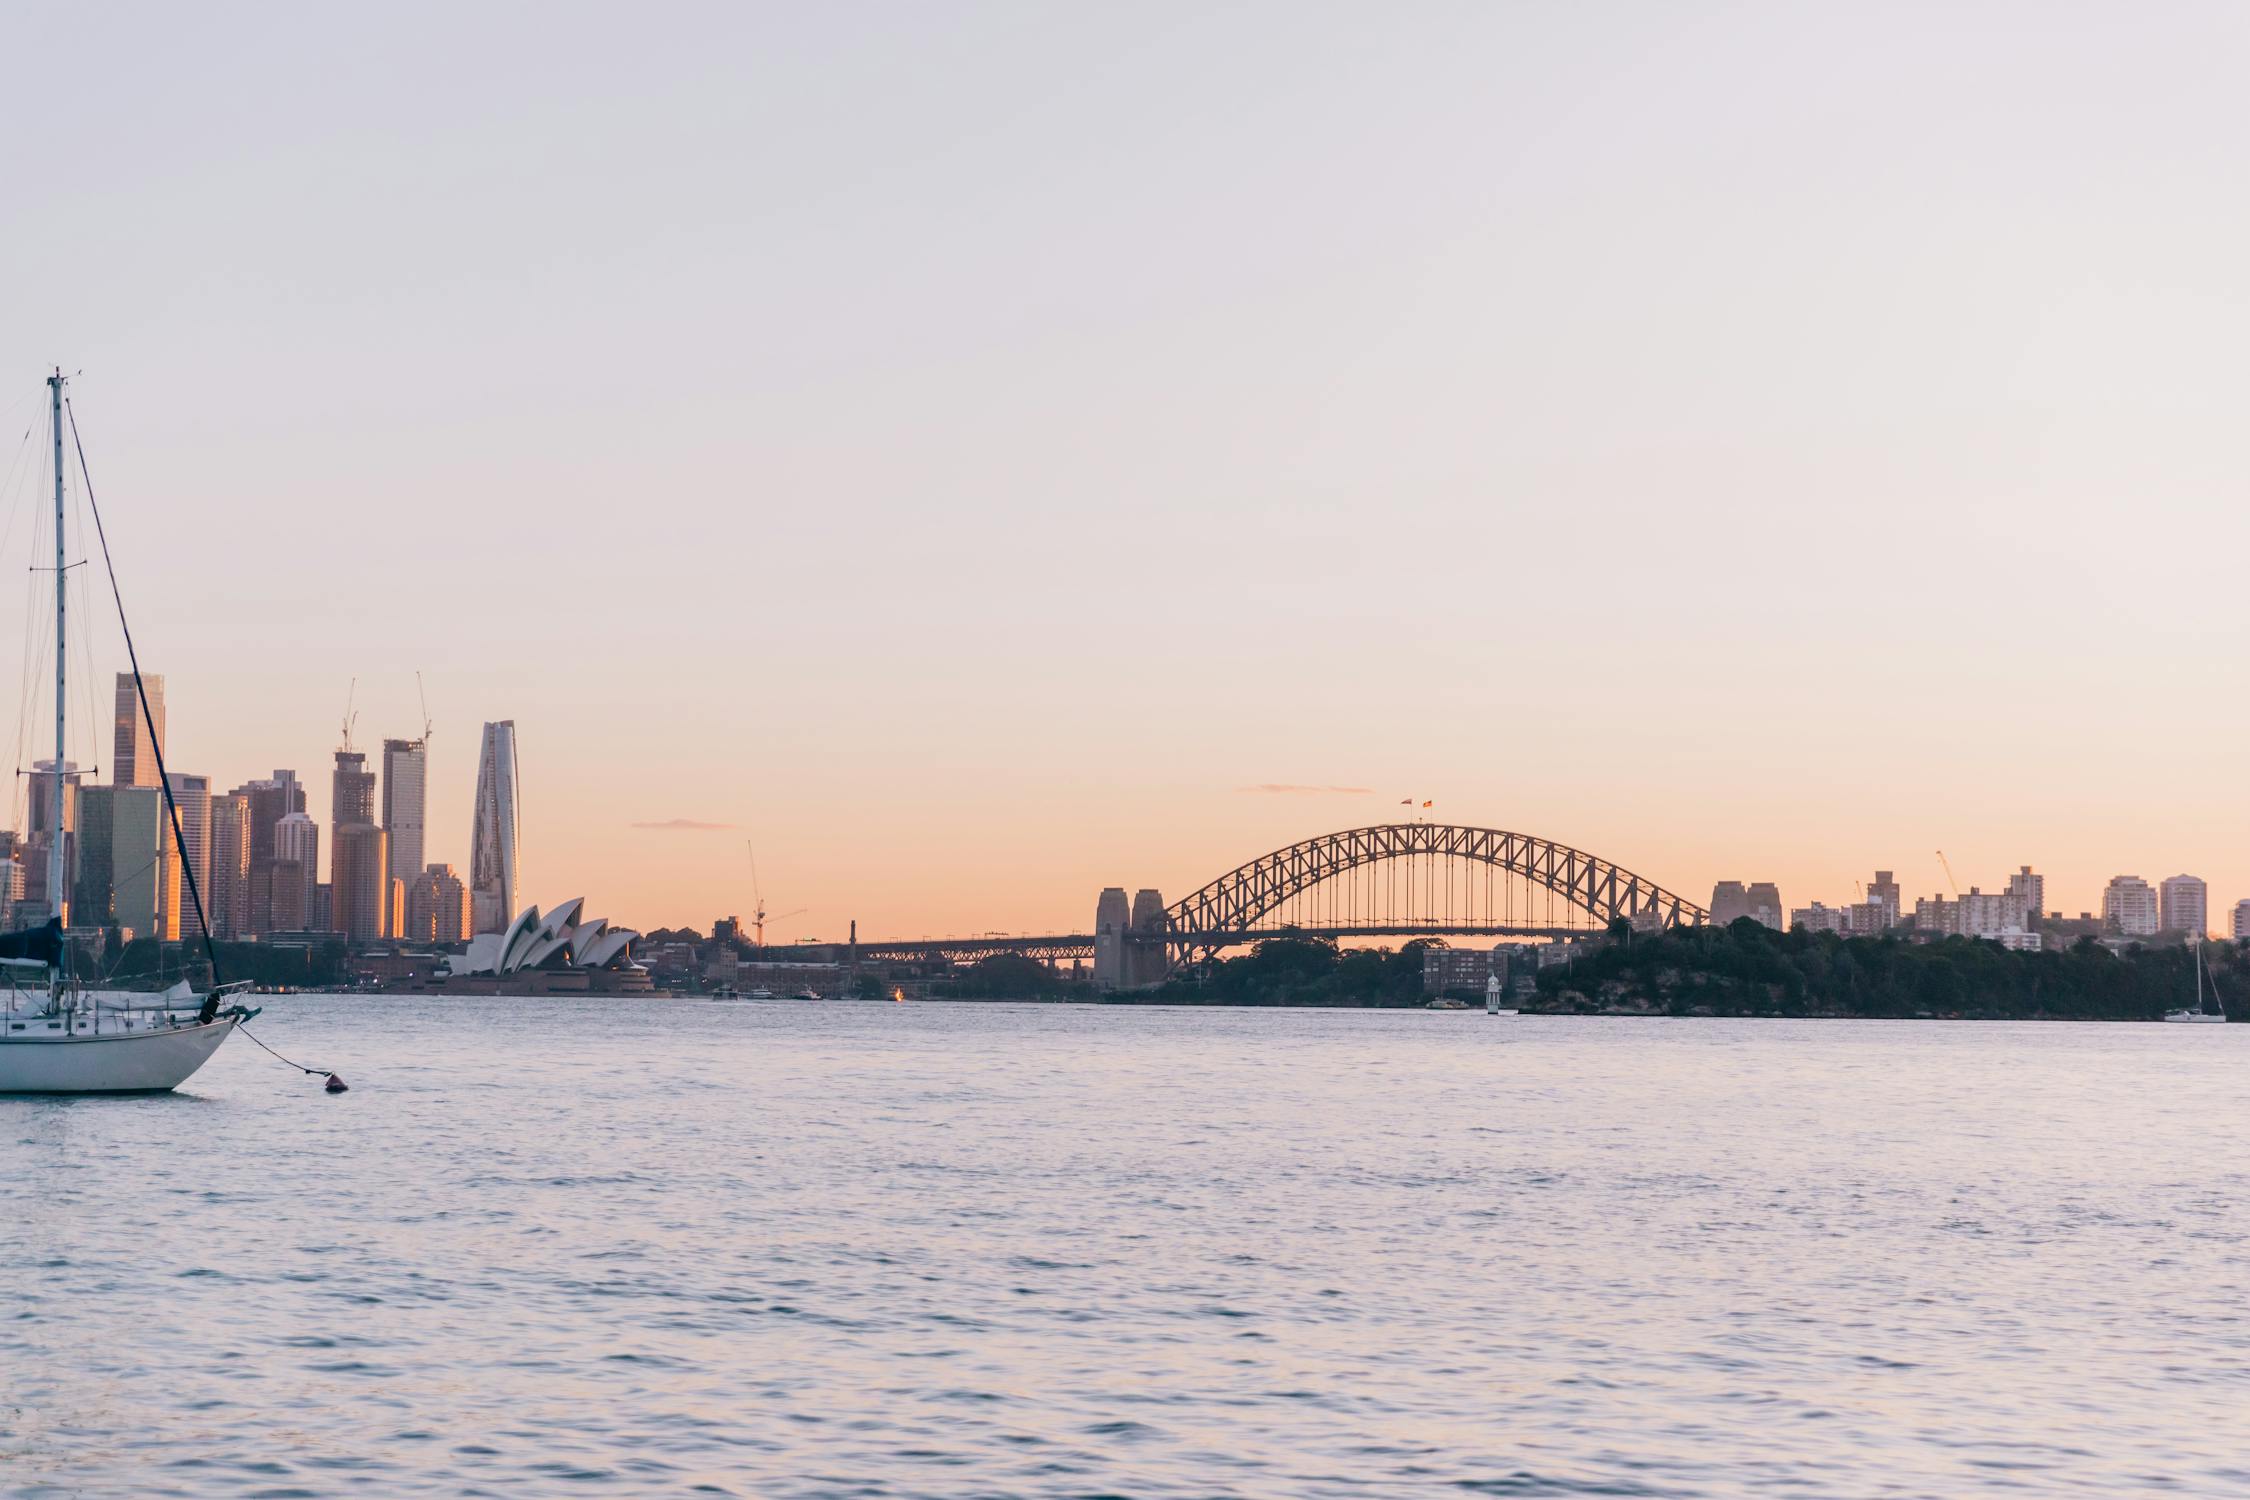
(437,907)
(271,800)
(2241,927)
(93,887)
(2031,889)
(359,882)
(228,897)
(2129,907)
(351,790)
(191,794)
(133,758)
(144,885)
(492,841)
(295,841)
(405,793)
(288,898)
(2184,905)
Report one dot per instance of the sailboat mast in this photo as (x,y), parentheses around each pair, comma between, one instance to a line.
(55,864)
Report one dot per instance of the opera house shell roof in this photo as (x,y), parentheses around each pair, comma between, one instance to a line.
(558,940)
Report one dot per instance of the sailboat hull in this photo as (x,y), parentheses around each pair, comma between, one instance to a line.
(113,1062)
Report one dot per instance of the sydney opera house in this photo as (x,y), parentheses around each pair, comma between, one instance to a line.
(561,952)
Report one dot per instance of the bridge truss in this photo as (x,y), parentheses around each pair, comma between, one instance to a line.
(1408,880)
(1436,879)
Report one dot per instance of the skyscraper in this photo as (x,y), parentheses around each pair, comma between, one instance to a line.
(38,844)
(227,898)
(133,762)
(271,800)
(351,791)
(2185,906)
(148,890)
(405,779)
(359,871)
(91,883)
(359,882)
(492,842)
(192,795)
(292,867)
(143,885)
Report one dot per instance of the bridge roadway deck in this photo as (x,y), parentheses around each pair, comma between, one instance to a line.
(1063,947)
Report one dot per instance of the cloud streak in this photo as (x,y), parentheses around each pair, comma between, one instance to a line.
(1291,789)
(685,825)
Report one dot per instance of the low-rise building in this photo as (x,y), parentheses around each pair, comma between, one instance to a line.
(1445,970)
(1821,918)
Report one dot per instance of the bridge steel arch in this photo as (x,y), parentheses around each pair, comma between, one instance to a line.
(1223,912)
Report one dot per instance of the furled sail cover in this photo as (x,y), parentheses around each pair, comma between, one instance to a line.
(39,944)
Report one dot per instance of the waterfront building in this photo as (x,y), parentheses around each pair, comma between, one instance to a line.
(564,952)
(227,897)
(2241,928)
(437,907)
(2184,905)
(405,793)
(1462,970)
(191,794)
(133,758)
(1731,900)
(492,840)
(2129,908)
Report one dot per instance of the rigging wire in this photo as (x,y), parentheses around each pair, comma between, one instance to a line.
(164,781)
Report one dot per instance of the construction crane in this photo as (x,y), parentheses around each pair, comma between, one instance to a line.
(351,716)
(425,697)
(1949,880)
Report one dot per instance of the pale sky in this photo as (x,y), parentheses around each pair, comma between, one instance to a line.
(965,446)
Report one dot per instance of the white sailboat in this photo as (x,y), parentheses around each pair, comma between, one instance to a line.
(2197,1015)
(55,1036)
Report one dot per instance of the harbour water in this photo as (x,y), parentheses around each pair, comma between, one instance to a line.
(778,1249)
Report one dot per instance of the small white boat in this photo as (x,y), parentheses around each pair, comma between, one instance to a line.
(2199,1016)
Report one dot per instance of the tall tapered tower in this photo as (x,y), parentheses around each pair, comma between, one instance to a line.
(492,841)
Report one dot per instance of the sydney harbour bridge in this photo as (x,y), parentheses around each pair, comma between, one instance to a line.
(1400,880)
